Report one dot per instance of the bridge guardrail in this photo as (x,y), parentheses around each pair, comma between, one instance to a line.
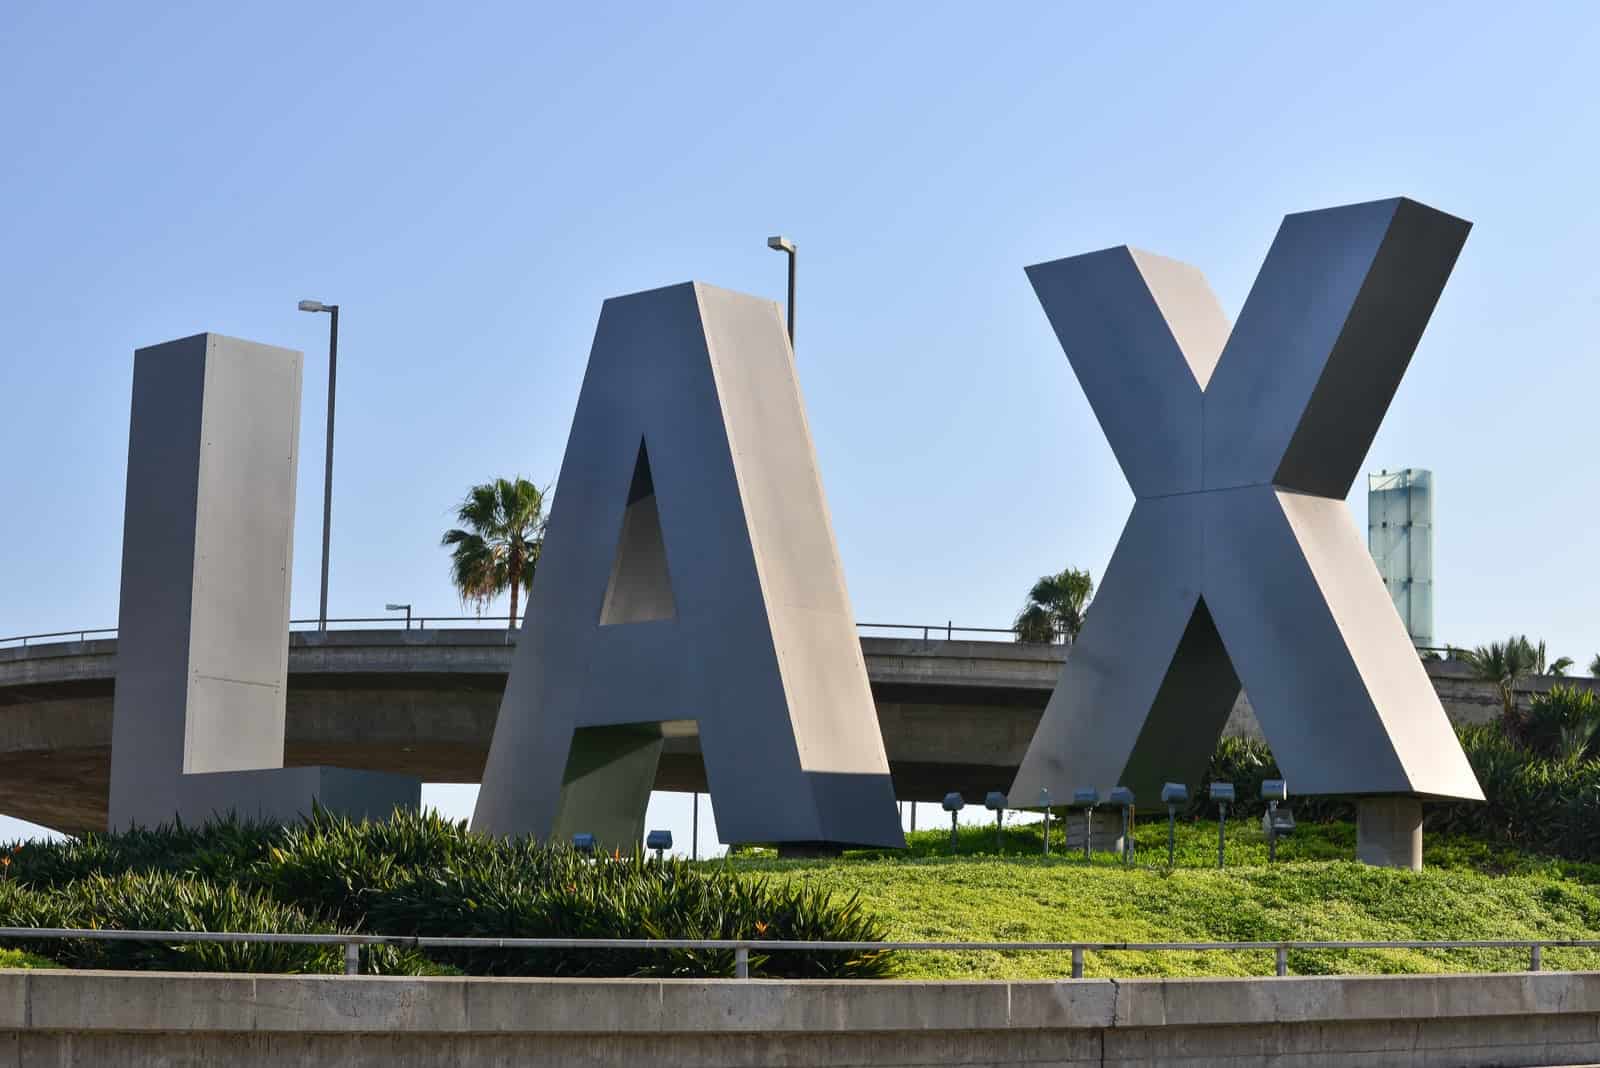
(929,631)
(741,948)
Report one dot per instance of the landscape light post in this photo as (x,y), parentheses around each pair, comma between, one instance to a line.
(1087,799)
(779,243)
(327,477)
(1222,794)
(953,804)
(1173,794)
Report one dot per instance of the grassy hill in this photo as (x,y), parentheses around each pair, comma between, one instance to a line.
(1316,892)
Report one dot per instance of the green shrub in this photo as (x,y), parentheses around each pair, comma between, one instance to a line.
(1534,803)
(1562,723)
(415,874)
(1247,763)
(220,850)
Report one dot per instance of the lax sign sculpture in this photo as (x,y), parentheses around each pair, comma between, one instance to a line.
(690,579)
(1240,564)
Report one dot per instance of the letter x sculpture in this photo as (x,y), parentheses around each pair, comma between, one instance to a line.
(1240,564)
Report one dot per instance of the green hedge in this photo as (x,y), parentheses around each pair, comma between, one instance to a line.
(411,875)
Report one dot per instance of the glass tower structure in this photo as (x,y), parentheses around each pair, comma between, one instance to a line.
(1400,538)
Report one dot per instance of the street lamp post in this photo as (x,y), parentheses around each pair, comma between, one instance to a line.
(782,244)
(327,477)
(398,607)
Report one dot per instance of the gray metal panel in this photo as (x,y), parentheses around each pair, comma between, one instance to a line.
(1115,670)
(1323,341)
(1286,595)
(152,669)
(759,647)
(244,541)
(1143,333)
(285,795)
(208,522)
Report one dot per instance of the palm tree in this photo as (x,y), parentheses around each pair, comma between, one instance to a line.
(1502,665)
(1557,667)
(497,546)
(1594,665)
(1056,607)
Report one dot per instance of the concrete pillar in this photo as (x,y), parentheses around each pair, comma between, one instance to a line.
(1389,832)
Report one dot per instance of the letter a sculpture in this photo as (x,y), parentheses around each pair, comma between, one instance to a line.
(689,577)
(1240,563)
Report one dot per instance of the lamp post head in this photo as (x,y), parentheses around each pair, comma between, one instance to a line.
(315,306)
(396,607)
(779,243)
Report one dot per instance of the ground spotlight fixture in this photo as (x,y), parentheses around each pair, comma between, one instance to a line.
(995,802)
(1044,803)
(1222,794)
(1274,791)
(660,841)
(953,804)
(583,843)
(1087,800)
(1122,797)
(1173,794)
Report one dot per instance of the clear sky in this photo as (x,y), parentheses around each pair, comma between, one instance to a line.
(469,182)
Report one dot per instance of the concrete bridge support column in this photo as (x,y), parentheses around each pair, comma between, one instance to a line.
(1389,832)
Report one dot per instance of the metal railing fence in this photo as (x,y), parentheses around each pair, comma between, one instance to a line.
(929,631)
(947,630)
(741,948)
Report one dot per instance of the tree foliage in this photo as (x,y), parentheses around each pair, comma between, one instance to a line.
(497,546)
(1056,607)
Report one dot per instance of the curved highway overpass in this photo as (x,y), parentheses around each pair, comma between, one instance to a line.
(955,715)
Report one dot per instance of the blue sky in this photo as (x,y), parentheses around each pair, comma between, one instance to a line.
(469,182)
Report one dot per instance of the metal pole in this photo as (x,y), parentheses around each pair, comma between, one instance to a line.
(1172,823)
(1222,834)
(1536,958)
(1283,961)
(327,478)
(1077,962)
(352,958)
(792,257)
(1127,837)
(952,832)
(913,815)
(1088,830)
(408,617)
(999,818)
(1272,831)
(694,833)
(741,962)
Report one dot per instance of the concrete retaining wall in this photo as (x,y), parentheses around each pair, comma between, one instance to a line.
(87,1018)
